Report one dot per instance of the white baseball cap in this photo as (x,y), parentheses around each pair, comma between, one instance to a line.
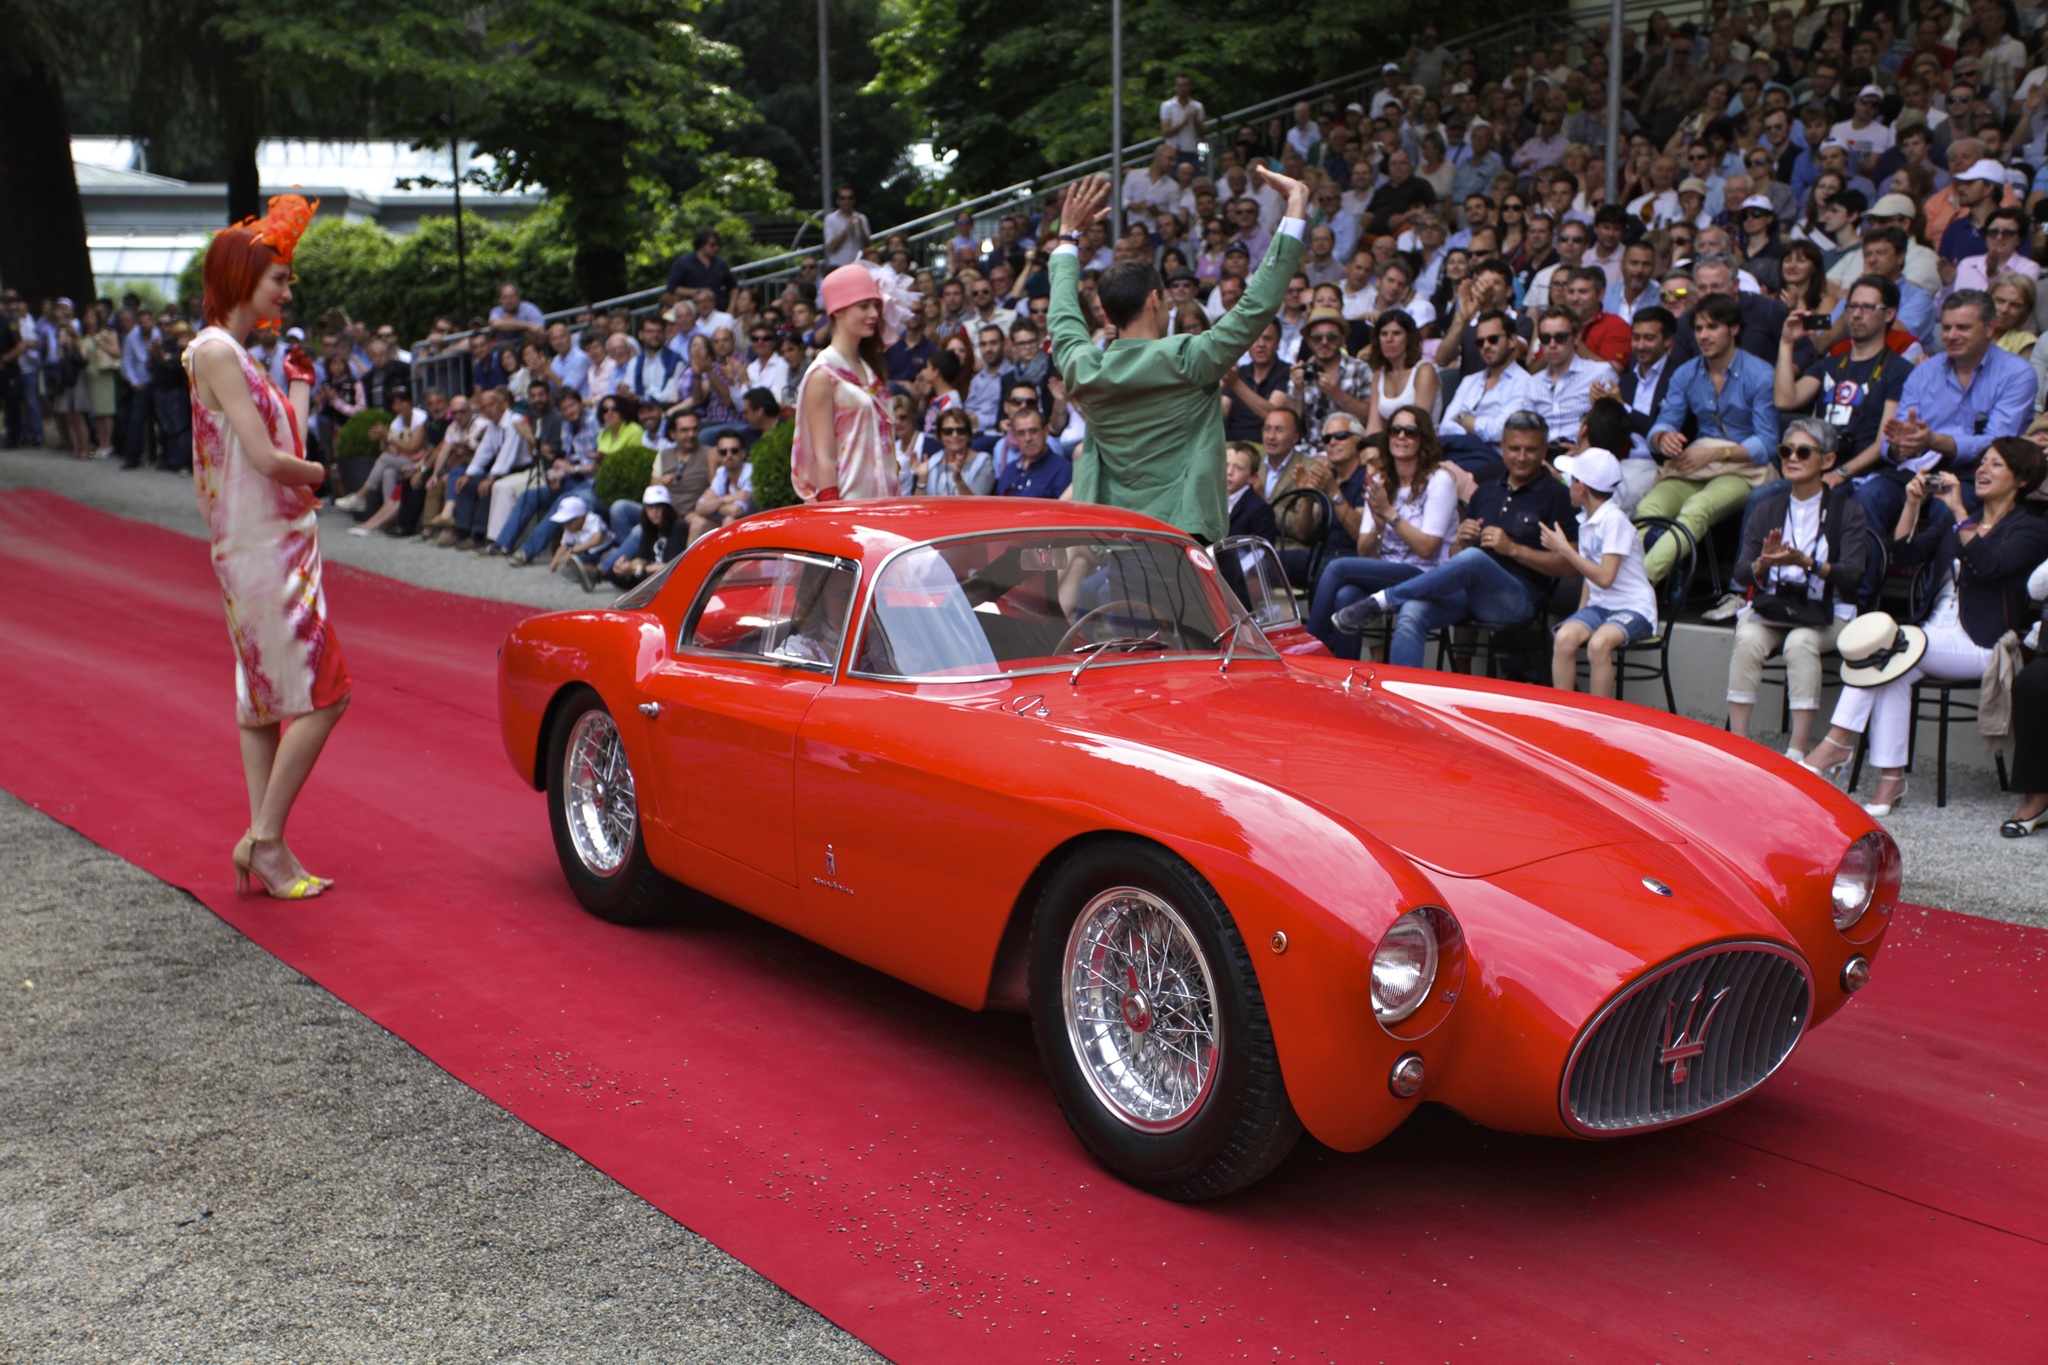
(1871,92)
(1984,168)
(656,493)
(1593,467)
(570,509)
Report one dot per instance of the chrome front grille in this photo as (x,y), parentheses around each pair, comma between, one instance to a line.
(1697,1033)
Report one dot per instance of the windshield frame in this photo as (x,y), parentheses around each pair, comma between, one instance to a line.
(858,640)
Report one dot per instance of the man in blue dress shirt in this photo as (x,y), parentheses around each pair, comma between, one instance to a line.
(1725,393)
(1956,405)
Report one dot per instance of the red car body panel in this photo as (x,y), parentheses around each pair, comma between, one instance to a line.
(905,824)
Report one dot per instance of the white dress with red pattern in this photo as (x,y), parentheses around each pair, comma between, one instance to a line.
(861,425)
(266,552)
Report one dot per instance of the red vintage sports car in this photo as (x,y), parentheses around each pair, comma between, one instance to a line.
(1039,756)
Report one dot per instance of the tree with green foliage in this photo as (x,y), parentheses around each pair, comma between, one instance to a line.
(579,96)
(778,75)
(1014,90)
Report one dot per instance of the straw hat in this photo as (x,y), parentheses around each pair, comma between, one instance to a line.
(1876,649)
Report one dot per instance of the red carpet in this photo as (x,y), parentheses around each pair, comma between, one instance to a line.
(899,1164)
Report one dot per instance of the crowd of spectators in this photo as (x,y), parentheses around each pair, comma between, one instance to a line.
(1804,328)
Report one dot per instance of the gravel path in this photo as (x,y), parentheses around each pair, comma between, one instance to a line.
(206,1157)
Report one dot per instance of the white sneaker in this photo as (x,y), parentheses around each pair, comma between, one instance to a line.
(359,530)
(1725,609)
(352,503)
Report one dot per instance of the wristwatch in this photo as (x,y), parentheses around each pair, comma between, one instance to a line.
(1071,238)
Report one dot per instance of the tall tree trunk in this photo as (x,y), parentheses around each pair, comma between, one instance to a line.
(600,271)
(42,230)
(241,111)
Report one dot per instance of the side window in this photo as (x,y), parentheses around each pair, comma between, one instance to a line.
(783,608)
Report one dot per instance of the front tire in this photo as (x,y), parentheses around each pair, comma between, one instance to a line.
(1151,1025)
(594,811)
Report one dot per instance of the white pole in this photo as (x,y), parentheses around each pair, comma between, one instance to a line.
(1614,101)
(824,110)
(1116,118)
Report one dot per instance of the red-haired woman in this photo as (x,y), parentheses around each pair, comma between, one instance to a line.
(259,496)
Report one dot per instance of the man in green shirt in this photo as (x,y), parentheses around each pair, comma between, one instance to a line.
(1155,416)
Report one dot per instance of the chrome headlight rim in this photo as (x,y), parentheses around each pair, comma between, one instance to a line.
(1859,876)
(1420,934)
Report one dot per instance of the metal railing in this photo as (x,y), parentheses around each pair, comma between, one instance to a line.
(1492,44)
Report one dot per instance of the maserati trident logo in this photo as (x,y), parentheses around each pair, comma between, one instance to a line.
(830,881)
(1679,1052)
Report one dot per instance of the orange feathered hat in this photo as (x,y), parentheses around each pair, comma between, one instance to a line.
(281,228)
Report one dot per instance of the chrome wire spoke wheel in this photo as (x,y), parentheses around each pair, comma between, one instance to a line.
(597,794)
(1141,1009)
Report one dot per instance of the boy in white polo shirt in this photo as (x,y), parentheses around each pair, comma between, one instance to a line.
(1617,606)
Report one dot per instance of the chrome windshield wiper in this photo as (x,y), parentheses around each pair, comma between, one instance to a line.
(1120,642)
(1229,650)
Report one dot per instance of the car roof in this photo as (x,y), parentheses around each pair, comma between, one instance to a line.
(869,531)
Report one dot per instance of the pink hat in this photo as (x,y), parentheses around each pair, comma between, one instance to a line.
(846,286)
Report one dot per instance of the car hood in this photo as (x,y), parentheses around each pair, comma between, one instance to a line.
(1457,796)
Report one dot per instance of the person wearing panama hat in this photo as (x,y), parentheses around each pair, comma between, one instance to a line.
(1982,564)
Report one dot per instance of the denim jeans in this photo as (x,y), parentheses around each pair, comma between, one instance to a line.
(472,509)
(624,515)
(1477,457)
(1472,586)
(542,501)
(624,547)
(1342,582)
(31,382)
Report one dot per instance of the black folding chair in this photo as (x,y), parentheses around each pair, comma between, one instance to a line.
(1671,596)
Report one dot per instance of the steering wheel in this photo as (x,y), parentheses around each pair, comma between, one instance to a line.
(1079,627)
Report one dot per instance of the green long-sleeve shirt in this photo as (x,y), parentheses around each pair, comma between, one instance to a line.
(1155,425)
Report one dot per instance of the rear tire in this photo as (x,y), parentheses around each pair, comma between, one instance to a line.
(1151,1025)
(594,811)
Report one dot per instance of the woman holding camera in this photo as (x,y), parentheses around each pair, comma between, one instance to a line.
(1803,557)
(1981,570)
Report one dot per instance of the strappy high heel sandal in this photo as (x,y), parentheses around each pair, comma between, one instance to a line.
(1883,808)
(300,888)
(1833,772)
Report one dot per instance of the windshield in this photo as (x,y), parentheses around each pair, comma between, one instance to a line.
(983,606)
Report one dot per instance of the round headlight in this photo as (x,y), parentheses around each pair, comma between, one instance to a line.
(1857,877)
(1404,967)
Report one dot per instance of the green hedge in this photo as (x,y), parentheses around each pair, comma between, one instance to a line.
(354,440)
(771,468)
(624,475)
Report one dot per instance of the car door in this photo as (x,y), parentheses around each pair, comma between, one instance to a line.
(758,646)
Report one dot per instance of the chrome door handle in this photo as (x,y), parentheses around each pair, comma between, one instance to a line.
(650,709)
